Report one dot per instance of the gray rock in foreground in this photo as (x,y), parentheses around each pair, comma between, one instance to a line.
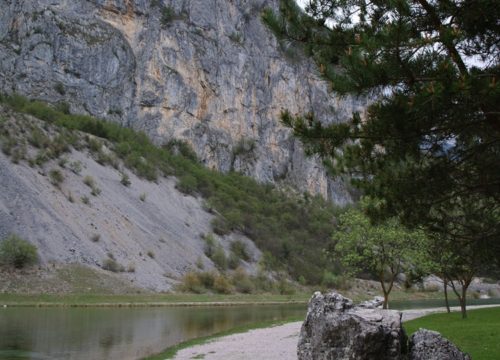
(336,329)
(431,345)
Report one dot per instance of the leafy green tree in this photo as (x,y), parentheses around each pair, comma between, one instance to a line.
(429,143)
(385,250)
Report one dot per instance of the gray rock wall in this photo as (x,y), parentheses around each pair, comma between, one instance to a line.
(211,74)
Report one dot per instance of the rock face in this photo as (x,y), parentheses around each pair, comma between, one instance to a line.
(206,71)
(336,329)
(431,345)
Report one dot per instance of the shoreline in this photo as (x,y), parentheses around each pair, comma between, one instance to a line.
(157,304)
(277,341)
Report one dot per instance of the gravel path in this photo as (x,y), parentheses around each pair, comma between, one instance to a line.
(274,343)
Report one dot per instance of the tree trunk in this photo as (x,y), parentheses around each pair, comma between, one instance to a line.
(463,302)
(386,301)
(445,285)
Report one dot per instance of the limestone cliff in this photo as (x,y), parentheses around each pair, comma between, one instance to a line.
(207,71)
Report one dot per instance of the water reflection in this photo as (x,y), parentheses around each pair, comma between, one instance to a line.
(118,333)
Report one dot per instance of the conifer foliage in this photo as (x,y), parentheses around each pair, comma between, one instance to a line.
(429,143)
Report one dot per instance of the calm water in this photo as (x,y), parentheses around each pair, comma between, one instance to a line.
(119,333)
(132,333)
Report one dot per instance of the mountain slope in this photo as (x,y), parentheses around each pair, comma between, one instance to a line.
(206,71)
(150,228)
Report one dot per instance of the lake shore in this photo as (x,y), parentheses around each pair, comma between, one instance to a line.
(273,343)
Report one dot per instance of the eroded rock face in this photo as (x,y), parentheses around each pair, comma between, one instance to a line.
(431,345)
(210,73)
(337,329)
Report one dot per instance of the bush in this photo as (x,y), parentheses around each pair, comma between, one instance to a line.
(209,245)
(207,279)
(17,252)
(191,283)
(89,181)
(125,179)
(242,282)
(221,285)
(219,258)
(187,184)
(56,177)
(167,15)
(111,265)
(333,281)
(239,249)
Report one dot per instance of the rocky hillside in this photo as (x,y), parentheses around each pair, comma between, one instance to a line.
(206,71)
(77,208)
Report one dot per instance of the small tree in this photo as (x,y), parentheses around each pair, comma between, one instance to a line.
(384,250)
(17,252)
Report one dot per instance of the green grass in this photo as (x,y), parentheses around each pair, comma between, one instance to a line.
(145,299)
(170,352)
(478,335)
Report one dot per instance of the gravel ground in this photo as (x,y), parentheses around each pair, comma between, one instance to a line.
(274,343)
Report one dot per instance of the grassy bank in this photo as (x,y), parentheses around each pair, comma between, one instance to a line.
(187,299)
(477,335)
(170,352)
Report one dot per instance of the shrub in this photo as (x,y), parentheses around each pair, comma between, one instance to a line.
(219,258)
(222,285)
(209,245)
(220,226)
(239,249)
(167,15)
(233,261)
(89,181)
(75,166)
(56,177)
(111,265)
(125,180)
(151,254)
(207,279)
(242,282)
(85,200)
(95,237)
(59,87)
(285,287)
(142,197)
(191,283)
(17,252)
(333,281)
(38,138)
(95,191)
(187,184)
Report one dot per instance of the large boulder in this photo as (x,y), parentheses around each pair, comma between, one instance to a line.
(337,329)
(431,345)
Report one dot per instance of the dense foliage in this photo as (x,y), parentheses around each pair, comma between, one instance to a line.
(291,229)
(17,252)
(429,143)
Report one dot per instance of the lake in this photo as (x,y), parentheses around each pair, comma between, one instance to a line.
(119,333)
(132,333)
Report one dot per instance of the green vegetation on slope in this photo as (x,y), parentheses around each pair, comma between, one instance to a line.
(292,230)
(477,335)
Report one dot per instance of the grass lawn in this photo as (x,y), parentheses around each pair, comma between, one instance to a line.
(478,335)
